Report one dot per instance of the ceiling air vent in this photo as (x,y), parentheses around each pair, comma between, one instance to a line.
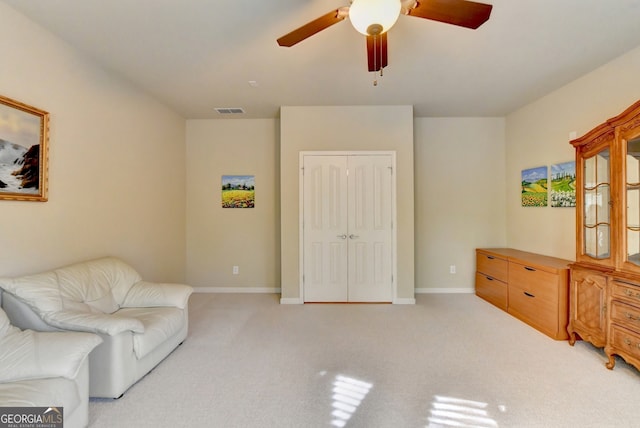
(232,110)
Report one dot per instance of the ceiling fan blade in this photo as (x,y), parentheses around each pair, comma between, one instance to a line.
(313,27)
(377,52)
(463,13)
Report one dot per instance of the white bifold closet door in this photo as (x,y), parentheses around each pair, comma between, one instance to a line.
(347,228)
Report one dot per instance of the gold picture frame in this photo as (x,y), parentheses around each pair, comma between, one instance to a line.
(24,151)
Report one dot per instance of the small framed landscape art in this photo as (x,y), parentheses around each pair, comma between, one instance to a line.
(563,184)
(23,151)
(534,187)
(238,191)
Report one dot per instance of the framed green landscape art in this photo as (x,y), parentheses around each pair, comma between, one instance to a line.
(563,184)
(534,187)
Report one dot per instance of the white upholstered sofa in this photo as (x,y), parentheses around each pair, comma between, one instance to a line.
(140,322)
(46,370)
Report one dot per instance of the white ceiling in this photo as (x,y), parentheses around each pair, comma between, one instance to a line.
(195,55)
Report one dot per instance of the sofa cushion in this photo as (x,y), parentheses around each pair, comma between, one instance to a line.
(52,392)
(97,286)
(110,324)
(159,325)
(87,284)
(101,284)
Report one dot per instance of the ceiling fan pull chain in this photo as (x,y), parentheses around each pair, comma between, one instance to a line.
(375,59)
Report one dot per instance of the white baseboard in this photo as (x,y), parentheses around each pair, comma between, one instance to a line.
(257,290)
(444,290)
(299,301)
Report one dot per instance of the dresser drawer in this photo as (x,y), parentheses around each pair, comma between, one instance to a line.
(492,290)
(624,291)
(541,284)
(625,341)
(535,311)
(492,266)
(625,315)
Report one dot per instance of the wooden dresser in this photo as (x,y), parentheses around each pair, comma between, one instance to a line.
(531,287)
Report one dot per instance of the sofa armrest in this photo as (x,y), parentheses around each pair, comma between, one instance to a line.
(109,324)
(35,355)
(148,294)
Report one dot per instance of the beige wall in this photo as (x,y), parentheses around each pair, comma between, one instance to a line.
(342,129)
(453,213)
(460,198)
(217,238)
(117,164)
(538,134)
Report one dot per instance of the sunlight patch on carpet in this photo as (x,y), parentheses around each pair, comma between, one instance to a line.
(457,412)
(348,394)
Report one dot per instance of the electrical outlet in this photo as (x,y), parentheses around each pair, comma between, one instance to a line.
(452,269)
(236,270)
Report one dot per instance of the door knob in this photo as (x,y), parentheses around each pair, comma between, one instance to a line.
(352,236)
(343,236)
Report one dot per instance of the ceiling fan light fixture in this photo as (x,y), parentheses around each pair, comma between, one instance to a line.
(373,17)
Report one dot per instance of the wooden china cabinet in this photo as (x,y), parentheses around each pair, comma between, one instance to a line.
(604,295)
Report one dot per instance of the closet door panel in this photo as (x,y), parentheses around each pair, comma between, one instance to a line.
(325,229)
(370,229)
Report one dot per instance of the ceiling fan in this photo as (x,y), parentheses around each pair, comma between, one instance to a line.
(374,18)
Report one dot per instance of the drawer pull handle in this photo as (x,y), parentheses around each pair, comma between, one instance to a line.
(490,257)
(631,316)
(528,294)
(629,343)
(530,269)
(632,294)
(489,278)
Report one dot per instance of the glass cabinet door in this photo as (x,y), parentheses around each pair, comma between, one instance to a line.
(632,184)
(597,209)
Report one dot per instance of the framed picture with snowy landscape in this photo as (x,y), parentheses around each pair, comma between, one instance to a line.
(24,148)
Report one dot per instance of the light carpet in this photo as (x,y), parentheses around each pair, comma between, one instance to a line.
(451,360)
